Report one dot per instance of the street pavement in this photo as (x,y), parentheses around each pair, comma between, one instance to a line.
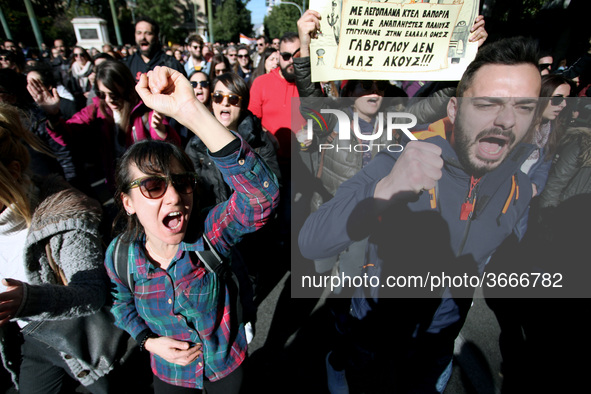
(293,336)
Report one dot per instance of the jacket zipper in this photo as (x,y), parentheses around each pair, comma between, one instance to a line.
(469,220)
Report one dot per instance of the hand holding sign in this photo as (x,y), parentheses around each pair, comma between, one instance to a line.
(418,168)
(478,32)
(308,28)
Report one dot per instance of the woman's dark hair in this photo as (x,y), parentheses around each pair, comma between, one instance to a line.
(208,101)
(45,72)
(103,55)
(237,64)
(260,70)
(15,83)
(152,157)
(550,83)
(85,55)
(215,60)
(236,85)
(118,79)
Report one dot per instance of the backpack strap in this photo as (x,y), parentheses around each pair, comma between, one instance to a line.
(121,263)
(209,257)
(215,263)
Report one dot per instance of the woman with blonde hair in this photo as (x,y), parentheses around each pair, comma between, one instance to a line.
(52,272)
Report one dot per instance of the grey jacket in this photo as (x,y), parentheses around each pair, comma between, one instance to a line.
(338,164)
(68,220)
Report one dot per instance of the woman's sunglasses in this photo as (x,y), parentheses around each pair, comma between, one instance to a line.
(103,95)
(203,84)
(368,85)
(233,99)
(155,186)
(557,100)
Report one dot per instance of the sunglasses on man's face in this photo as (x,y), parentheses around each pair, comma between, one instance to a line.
(286,55)
(242,56)
(233,99)
(557,100)
(203,84)
(155,186)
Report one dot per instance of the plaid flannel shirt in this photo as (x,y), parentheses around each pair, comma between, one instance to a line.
(184,301)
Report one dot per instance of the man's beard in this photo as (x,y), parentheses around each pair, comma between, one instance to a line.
(289,77)
(464,146)
(152,49)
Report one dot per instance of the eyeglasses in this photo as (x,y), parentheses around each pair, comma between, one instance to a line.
(203,84)
(103,95)
(286,55)
(242,56)
(260,44)
(368,85)
(544,66)
(78,55)
(220,72)
(557,100)
(4,59)
(231,55)
(233,99)
(196,46)
(155,186)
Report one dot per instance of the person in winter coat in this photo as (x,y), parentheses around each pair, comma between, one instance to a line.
(49,234)
(229,103)
(444,204)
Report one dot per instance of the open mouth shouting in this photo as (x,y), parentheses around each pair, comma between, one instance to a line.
(174,221)
(493,145)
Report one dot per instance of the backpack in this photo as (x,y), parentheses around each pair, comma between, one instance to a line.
(212,261)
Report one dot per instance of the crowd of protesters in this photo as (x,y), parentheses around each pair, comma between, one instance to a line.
(147,158)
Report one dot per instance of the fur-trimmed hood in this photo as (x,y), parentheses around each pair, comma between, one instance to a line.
(60,202)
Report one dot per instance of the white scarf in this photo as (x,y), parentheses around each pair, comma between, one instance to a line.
(81,73)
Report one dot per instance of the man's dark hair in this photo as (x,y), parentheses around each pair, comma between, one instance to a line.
(150,21)
(508,52)
(290,36)
(264,38)
(195,38)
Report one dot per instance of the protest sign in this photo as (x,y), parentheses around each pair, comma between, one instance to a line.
(401,40)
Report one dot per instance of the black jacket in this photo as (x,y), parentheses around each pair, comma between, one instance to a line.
(212,187)
(137,66)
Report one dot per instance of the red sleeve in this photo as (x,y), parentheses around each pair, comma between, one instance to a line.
(256,99)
